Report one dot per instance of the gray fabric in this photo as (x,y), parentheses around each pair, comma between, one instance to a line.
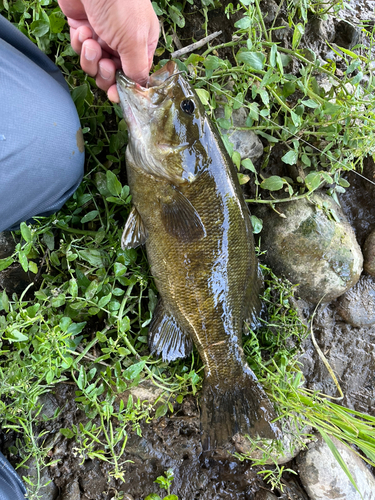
(11,487)
(40,163)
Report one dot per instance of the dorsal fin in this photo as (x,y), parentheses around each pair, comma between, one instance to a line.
(134,233)
(165,337)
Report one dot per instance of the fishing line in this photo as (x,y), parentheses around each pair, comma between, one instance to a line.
(298,138)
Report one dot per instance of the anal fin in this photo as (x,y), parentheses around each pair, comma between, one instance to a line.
(165,337)
(135,233)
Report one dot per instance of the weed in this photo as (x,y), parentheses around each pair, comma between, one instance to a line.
(164,482)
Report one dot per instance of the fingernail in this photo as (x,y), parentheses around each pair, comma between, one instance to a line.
(104,73)
(81,36)
(90,54)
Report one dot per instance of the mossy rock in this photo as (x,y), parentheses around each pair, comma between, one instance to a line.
(313,245)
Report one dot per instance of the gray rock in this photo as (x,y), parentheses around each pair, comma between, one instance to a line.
(369,254)
(347,35)
(313,245)
(71,491)
(45,488)
(324,479)
(357,305)
(246,142)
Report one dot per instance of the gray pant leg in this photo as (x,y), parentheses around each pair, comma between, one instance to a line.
(41,147)
(11,487)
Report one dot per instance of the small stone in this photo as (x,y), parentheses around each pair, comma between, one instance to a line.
(324,479)
(145,391)
(357,305)
(313,245)
(347,35)
(246,142)
(369,254)
(71,491)
(47,490)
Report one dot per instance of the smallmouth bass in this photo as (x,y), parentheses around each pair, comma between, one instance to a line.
(189,211)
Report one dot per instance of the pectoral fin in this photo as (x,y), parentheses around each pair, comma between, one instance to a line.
(165,337)
(134,233)
(180,218)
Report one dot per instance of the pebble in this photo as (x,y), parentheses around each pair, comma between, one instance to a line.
(324,479)
(357,305)
(245,142)
(48,489)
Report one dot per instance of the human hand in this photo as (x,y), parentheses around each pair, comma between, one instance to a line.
(110,34)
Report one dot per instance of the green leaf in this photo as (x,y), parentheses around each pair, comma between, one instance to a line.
(176,16)
(76,328)
(171,497)
(310,103)
(273,55)
(133,370)
(253,59)
(204,96)
(16,336)
(79,95)
(161,411)
(153,496)
(26,232)
(338,457)
(273,183)
(39,27)
(243,23)
(68,433)
(92,289)
(247,163)
(57,22)
(95,257)
(4,302)
(104,300)
(297,35)
(312,181)
(124,325)
(257,224)
(89,216)
(23,261)
(4,263)
(33,267)
(113,184)
(290,158)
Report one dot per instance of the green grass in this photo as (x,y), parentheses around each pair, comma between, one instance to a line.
(92,302)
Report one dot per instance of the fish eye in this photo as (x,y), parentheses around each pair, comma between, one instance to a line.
(188,106)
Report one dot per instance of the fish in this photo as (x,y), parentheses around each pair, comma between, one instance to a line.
(189,211)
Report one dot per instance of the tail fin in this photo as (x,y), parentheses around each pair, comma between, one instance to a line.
(241,408)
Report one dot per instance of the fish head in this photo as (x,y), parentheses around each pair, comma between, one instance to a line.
(165,121)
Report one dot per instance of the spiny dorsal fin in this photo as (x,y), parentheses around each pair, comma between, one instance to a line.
(134,233)
(165,337)
(180,217)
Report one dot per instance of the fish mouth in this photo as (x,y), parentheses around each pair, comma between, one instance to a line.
(139,102)
(155,81)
